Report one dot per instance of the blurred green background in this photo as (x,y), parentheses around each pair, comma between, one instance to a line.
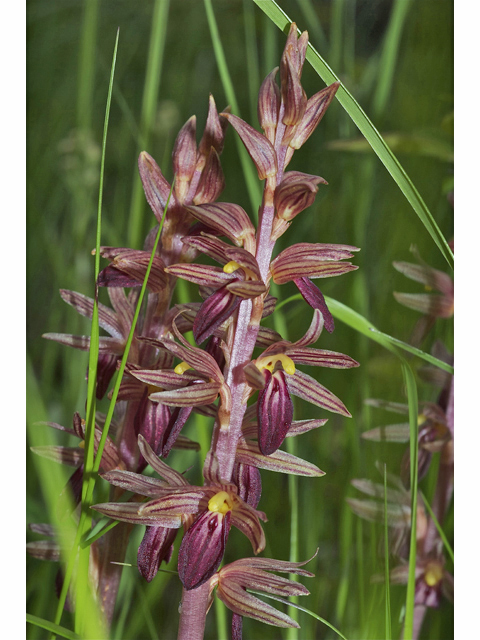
(396,58)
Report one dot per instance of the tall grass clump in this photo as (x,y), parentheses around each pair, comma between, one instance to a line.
(208,325)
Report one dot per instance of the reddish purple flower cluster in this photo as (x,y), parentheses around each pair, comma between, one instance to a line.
(248,399)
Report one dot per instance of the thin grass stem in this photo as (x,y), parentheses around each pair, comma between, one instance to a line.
(149,105)
(369,131)
(411,388)
(388,615)
(438,526)
(247,167)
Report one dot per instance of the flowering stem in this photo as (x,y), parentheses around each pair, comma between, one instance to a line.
(193,611)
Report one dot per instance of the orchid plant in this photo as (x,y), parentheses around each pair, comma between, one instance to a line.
(435,436)
(239,373)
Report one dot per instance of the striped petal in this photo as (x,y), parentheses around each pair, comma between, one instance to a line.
(269,105)
(201,274)
(312,294)
(426,275)
(191,396)
(173,504)
(429,303)
(178,419)
(137,483)
(320,358)
(249,483)
(214,132)
(305,387)
(312,261)
(106,345)
(249,453)
(107,318)
(246,519)
(173,478)
(259,148)
(247,288)
(212,180)
(295,193)
(228,219)
(314,112)
(129,512)
(156,545)
(238,600)
(71,456)
(155,186)
(210,245)
(184,158)
(213,312)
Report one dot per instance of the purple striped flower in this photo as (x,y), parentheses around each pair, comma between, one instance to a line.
(206,513)
(233,580)
(274,373)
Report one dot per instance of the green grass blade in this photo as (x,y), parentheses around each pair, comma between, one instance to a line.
(388,617)
(128,343)
(313,22)
(147,118)
(51,626)
(86,67)
(249,172)
(83,594)
(366,127)
(438,526)
(416,352)
(411,388)
(99,530)
(221,620)
(252,57)
(89,623)
(389,55)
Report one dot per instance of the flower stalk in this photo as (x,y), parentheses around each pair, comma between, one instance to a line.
(165,379)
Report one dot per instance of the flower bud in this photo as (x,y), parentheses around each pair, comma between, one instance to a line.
(184,158)
(212,180)
(269,105)
(156,545)
(295,193)
(274,411)
(203,547)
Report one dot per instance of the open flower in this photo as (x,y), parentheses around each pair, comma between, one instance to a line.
(437,305)
(433,434)
(205,512)
(432,305)
(233,581)
(74,456)
(274,373)
(117,322)
(238,279)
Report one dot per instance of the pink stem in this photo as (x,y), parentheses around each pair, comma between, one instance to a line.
(193,612)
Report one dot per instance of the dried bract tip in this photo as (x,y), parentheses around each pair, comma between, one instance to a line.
(184,158)
(214,133)
(269,105)
(156,188)
(212,180)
